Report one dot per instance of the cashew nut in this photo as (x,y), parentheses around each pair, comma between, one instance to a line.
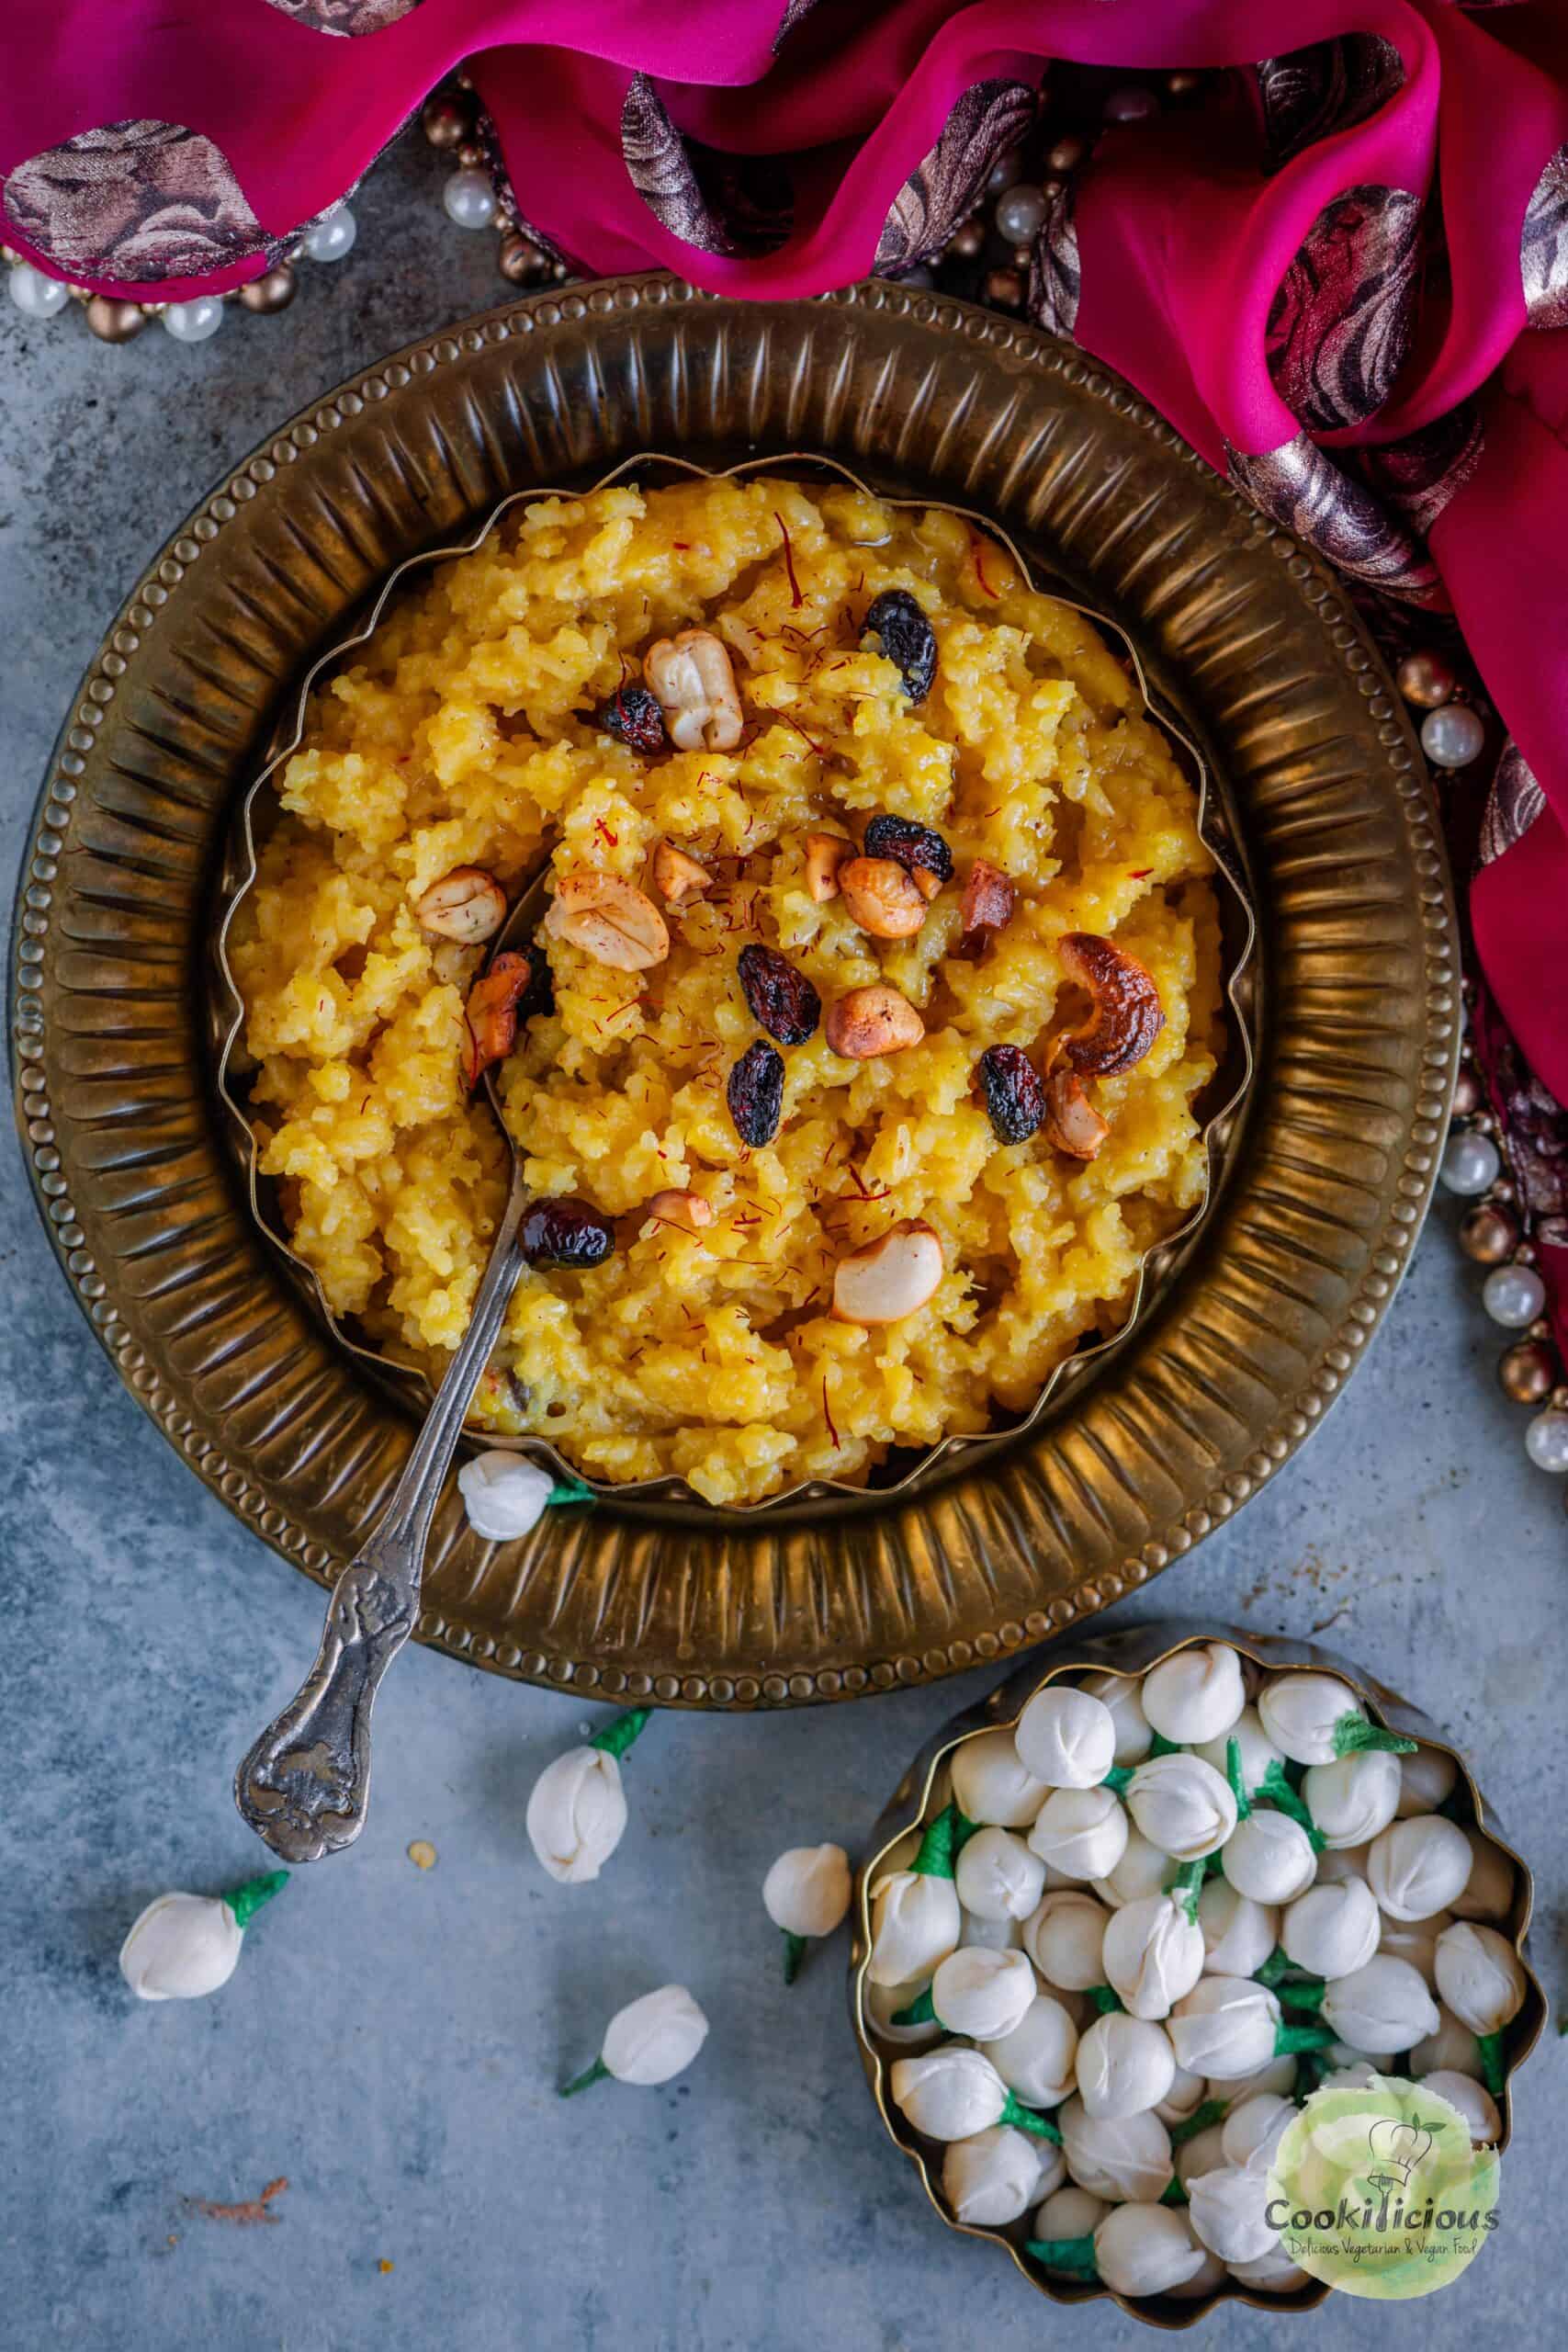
(695,685)
(1072,1123)
(1126,1017)
(610,919)
(678,877)
(881,898)
(467,905)
(872,1021)
(890,1278)
(826,854)
(489,1017)
(688,1210)
(989,898)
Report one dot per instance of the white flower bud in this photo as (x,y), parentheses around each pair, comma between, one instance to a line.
(1453,2049)
(1238,1934)
(1381,2008)
(995,1934)
(915,1924)
(982,1993)
(1143,1869)
(1145,2250)
(1182,1805)
(1332,1931)
(998,1877)
(1066,1738)
(1254,2128)
(1358,2077)
(577,1811)
(990,2179)
(1196,1695)
(1269,1857)
(1125,2066)
(1419,1866)
(181,1946)
(1275,2274)
(503,1494)
(1489,1889)
(1415,1941)
(1278,2077)
(1116,2156)
(1134,1733)
(1479,1977)
(1069,2212)
(1203,2153)
(1255,1750)
(949,2094)
(1205,2280)
(1224,2028)
(1352,1801)
(1065,1939)
(990,1785)
(1427,1780)
(1227,2211)
(1473,2101)
(1301,1713)
(807,1891)
(1153,1954)
(1081,1832)
(1336,1864)
(1185,2097)
(650,2041)
(883,2003)
(1037,2058)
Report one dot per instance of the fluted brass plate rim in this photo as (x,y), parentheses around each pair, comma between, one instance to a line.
(1246,639)
(924,1790)
(241,869)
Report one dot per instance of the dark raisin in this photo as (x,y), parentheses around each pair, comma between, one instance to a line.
(908,639)
(632,716)
(539,996)
(565,1233)
(914,847)
(1014,1096)
(783,1001)
(756,1093)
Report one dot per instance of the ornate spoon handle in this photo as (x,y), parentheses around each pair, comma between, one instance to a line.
(305,1784)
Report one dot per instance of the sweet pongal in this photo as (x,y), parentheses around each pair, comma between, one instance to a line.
(882,977)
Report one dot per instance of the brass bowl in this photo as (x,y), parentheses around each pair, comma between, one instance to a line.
(926,1788)
(1220,1103)
(1248,644)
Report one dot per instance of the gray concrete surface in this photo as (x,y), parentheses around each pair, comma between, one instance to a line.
(394,2037)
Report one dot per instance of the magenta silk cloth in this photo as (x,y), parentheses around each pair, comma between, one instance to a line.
(1346,281)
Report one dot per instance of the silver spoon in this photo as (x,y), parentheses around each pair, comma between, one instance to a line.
(304,1786)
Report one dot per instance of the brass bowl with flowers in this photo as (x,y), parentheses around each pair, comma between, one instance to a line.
(1123,1916)
(1249,653)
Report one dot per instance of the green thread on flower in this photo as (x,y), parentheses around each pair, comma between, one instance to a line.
(963,1830)
(569,1490)
(1354,1736)
(1232,1774)
(1277,1964)
(1075,2255)
(1493,2071)
(1107,2002)
(1160,1746)
(617,1737)
(1290,2040)
(794,1953)
(938,1846)
(1288,1800)
(921,2010)
(597,2073)
(1211,2111)
(1173,2193)
(1116,1780)
(1027,2119)
(1186,1887)
(246,1900)
(1301,1992)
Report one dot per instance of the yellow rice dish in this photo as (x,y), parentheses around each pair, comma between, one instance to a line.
(464,738)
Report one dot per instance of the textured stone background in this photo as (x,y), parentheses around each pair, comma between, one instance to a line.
(392,2040)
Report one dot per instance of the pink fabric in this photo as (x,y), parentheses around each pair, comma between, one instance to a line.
(1184,232)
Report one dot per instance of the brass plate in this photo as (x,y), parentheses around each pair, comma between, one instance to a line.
(925,1789)
(1246,639)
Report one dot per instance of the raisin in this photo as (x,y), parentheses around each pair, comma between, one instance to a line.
(914,847)
(539,996)
(908,639)
(756,1093)
(565,1233)
(1014,1096)
(783,1001)
(633,716)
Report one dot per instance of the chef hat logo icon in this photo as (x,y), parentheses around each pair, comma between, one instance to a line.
(1399,2147)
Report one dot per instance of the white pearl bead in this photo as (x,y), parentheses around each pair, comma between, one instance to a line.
(469,200)
(194,322)
(1453,736)
(332,235)
(36,296)
(1546,1441)
(1513,1295)
(1469,1162)
(1020,212)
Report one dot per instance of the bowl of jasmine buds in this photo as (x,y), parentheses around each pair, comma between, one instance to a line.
(1125,1918)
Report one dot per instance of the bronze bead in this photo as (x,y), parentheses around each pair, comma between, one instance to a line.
(1426,679)
(1005,289)
(272,292)
(1052,186)
(1489,1235)
(968,243)
(1182,83)
(1468,1095)
(1067,155)
(1022,256)
(1525,1372)
(521,259)
(447,122)
(113,320)
(470,157)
